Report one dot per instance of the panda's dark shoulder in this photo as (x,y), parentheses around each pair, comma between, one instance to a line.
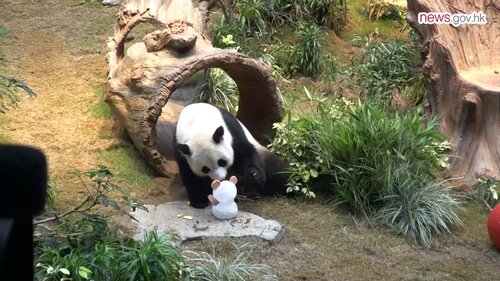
(233,125)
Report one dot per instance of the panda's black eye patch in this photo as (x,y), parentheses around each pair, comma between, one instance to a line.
(222,163)
(205,170)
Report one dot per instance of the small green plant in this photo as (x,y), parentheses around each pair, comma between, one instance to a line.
(250,16)
(283,54)
(385,10)
(418,209)
(220,90)
(110,256)
(330,68)
(328,13)
(226,35)
(154,258)
(384,68)
(203,266)
(98,185)
(414,94)
(296,140)
(487,190)
(307,50)
(8,92)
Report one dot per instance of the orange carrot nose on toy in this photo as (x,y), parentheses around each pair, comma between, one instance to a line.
(494,226)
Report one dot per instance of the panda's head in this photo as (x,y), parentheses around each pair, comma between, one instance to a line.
(209,156)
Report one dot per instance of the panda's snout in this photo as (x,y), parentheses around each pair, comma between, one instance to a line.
(219,174)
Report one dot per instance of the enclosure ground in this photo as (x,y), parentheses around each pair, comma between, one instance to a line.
(57,47)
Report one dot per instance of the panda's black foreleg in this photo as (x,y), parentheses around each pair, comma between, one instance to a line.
(258,174)
(197,188)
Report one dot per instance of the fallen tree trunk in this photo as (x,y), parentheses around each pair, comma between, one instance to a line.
(150,82)
(462,64)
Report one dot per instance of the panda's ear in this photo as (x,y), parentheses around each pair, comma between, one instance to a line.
(183,148)
(217,137)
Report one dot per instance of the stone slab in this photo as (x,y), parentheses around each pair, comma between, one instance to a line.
(189,223)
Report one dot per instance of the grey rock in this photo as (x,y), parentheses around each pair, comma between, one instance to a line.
(189,223)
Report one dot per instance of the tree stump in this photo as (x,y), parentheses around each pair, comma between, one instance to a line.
(462,65)
(150,82)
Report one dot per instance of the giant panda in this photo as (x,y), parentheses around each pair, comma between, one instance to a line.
(211,144)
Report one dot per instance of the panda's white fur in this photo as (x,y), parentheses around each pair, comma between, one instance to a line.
(204,136)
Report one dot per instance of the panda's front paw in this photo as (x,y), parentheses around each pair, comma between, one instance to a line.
(199,205)
(258,175)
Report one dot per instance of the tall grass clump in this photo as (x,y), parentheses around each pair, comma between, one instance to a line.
(373,162)
(296,140)
(487,190)
(384,68)
(365,149)
(9,88)
(307,50)
(419,209)
(207,267)
(328,13)
(220,90)
(385,10)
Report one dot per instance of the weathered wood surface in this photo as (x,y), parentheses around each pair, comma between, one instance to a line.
(151,81)
(462,65)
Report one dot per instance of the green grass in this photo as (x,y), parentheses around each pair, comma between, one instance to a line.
(88,36)
(128,166)
(100,109)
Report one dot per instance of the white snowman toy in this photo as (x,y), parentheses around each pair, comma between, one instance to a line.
(222,199)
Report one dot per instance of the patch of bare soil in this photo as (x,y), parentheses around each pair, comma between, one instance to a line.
(57,48)
(58,121)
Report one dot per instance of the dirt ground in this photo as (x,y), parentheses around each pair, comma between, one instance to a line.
(57,48)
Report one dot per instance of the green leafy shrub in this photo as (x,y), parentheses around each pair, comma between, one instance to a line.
(296,140)
(486,190)
(328,13)
(307,49)
(220,90)
(330,68)
(251,17)
(384,67)
(366,148)
(110,257)
(243,20)
(419,209)
(8,92)
(371,161)
(203,266)
(220,30)
(151,259)
(414,94)
(385,10)
(284,55)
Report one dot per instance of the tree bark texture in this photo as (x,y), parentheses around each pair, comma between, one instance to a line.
(462,66)
(151,81)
